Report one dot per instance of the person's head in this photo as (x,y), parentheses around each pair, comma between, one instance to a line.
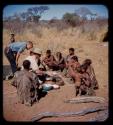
(59,55)
(74,59)
(48,52)
(82,68)
(29,45)
(37,52)
(87,62)
(12,34)
(71,51)
(26,64)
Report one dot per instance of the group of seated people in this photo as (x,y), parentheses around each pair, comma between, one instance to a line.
(33,74)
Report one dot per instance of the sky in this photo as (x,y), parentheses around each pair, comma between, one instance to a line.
(57,10)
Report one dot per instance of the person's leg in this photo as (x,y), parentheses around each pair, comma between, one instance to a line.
(11,60)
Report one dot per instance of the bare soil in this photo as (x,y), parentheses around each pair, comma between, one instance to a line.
(53,101)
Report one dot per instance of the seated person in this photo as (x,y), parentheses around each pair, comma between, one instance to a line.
(50,61)
(27,84)
(72,66)
(60,61)
(83,81)
(68,58)
(71,54)
(36,65)
(90,71)
(34,59)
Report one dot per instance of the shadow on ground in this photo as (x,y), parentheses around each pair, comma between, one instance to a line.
(6,70)
(41,94)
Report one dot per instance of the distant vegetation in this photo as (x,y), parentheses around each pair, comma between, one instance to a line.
(30,21)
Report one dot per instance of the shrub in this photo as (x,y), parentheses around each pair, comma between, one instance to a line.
(71,18)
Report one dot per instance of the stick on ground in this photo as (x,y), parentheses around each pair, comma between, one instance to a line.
(86,99)
(67,114)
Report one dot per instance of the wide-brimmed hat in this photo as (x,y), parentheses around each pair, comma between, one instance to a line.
(36,50)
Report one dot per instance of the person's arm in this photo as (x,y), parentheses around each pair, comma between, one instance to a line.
(17,58)
(53,60)
(18,53)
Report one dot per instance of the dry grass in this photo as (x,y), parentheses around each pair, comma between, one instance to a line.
(51,38)
(87,44)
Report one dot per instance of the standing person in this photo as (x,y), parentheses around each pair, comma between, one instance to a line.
(13,52)
(12,39)
(60,61)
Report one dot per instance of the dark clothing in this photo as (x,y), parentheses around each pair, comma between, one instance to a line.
(27,86)
(12,40)
(11,50)
(11,58)
(61,64)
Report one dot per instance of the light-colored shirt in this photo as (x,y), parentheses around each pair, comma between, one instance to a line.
(18,46)
(33,61)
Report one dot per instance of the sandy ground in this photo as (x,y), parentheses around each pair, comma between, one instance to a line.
(53,101)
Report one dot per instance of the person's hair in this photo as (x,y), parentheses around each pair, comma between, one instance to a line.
(12,34)
(88,61)
(72,49)
(26,64)
(30,42)
(79,69)
(59,54)
(48,51)
(75,58)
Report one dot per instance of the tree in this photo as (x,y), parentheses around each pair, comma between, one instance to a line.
(71,18)
(35,13)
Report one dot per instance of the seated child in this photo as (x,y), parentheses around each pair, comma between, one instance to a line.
(84,88)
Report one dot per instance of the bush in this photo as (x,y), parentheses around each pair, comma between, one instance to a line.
(71,18)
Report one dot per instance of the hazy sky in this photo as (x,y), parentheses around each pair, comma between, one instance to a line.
(55,10)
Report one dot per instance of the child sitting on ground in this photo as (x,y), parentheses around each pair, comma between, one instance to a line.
(85,87)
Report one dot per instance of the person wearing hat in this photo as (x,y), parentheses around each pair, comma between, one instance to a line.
(36,65)
(12,39)
(13,52)
(34,59)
